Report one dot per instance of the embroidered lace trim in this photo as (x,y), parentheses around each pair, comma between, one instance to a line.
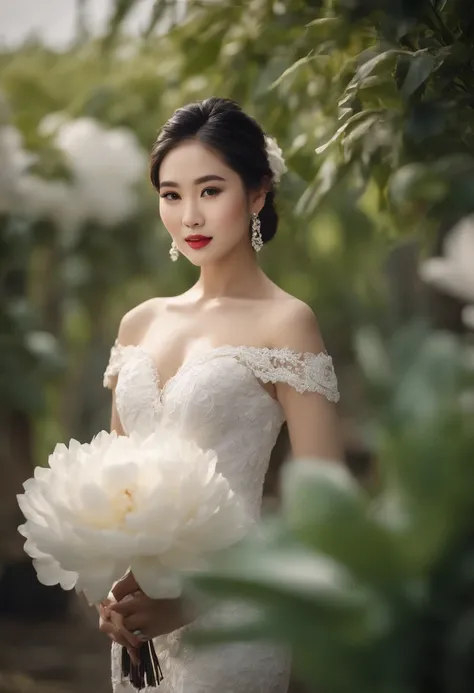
(305,372)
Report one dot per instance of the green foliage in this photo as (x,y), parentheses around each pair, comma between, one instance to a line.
(369,589)
(29,354)
(82,285)
(372,103)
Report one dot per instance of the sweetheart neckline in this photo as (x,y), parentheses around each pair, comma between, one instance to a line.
(162,389)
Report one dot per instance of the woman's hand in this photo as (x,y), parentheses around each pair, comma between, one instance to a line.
(125,586)
(112,625)
(152,617)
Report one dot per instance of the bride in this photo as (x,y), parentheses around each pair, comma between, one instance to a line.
(229,361)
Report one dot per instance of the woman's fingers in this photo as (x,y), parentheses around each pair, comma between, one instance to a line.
(111,631)
(128,606)
(131,608)
(137,622)
(132,615)
(124,586)
(103,610)
(118,622)
(108,628)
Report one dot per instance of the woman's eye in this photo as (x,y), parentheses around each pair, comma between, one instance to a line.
(169,196)
(211,191)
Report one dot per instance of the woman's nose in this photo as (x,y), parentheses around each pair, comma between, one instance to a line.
(192,217)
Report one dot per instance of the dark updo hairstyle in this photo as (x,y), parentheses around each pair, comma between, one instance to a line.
(238,138)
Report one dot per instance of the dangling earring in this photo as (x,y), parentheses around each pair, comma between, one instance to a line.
(174,252)
(257,240)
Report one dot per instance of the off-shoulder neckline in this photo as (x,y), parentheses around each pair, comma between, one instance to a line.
(282,352)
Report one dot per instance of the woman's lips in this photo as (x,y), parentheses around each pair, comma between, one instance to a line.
(197,242)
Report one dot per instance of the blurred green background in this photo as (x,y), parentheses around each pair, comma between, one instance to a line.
(372,103)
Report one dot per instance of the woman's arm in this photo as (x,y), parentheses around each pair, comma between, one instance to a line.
(112,624)
(126,599)
(312,420)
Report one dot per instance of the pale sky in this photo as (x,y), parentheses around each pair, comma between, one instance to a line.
(54,20)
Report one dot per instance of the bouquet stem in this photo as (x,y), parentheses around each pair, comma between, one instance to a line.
(148,672)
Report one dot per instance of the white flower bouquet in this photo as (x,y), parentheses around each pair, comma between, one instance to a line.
(155,505)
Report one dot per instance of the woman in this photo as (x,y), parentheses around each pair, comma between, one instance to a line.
(228,361)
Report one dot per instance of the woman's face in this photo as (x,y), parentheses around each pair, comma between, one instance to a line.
(202,198)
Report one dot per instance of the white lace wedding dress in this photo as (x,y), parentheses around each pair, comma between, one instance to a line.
(217,399)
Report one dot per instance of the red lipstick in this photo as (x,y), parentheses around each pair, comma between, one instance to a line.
(198,241)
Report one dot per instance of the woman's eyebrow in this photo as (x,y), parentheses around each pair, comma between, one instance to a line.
(198,181)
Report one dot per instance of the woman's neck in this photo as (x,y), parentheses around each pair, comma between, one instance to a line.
(238,275)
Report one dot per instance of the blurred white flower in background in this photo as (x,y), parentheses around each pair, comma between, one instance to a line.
(51,123)
(52,199)
(453,273)
(106,168)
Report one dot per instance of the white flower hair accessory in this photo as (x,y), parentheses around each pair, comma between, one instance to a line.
(275,158)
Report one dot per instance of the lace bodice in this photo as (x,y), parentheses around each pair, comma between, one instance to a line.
(217,399)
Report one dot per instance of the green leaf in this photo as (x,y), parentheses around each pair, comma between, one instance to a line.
(318,640)
(121,10)
(324,22)
(373,358)
(357,136)
(323,27)
(385,61)
(294,68)
(430,382)
(295,572)
(296,578)
(329,511)
(353,120)
(421,67)
(416,182)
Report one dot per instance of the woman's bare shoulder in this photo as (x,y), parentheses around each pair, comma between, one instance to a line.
(136,321)
(292,323)
(284,305)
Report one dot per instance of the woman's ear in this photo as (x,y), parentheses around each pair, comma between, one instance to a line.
(257,200)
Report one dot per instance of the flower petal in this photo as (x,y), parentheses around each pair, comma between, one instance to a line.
(157,581)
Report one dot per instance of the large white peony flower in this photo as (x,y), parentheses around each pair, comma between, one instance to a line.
(155,505)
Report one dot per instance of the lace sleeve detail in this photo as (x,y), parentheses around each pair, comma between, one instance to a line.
(115,363)
(305,372)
